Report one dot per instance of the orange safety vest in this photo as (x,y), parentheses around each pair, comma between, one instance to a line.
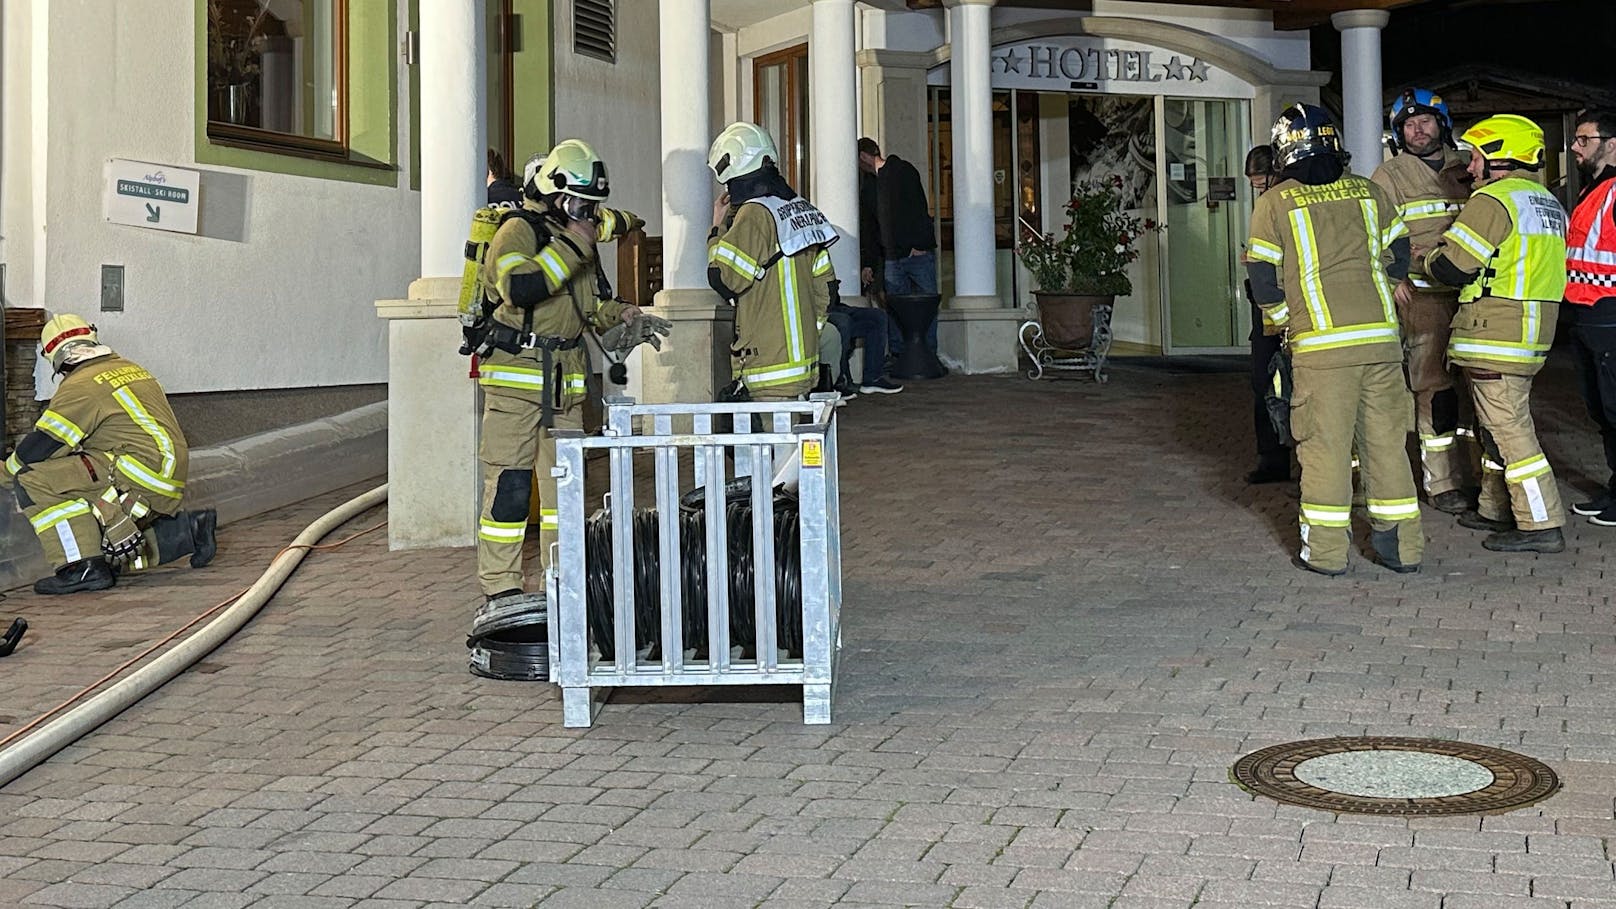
(1591,248)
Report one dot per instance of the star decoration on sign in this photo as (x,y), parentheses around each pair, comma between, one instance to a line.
(1199,69)
(1010,60)
(1175,69)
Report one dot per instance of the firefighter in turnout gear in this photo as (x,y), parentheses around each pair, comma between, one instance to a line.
(101,475)
(540,283)
(1428,183)
(768,256)
(1321,241)
(1507,251)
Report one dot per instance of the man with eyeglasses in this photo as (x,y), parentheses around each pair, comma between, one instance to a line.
(1591,291)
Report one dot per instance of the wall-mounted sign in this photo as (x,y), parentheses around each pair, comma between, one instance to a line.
(1085,64)
(151,195)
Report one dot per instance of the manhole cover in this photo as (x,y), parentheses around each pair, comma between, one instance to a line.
(1395,776)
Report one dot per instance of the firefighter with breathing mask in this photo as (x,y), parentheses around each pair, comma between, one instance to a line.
(539,278)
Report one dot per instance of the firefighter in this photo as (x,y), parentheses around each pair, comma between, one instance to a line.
(1507,251)
(103,471)
(767,255)
(1591,292)
(540,281)
(1428,182)
(1318,237)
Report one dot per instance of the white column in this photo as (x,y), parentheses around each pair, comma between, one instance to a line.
(694,362)
(1360,85)
(971,97)
(687,184)
(432,407)
(833,128)
(454,154)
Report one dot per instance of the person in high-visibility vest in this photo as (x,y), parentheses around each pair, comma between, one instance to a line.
(1507,252)
(1429,180)
(1315,259)
(768,255)
(1591,291)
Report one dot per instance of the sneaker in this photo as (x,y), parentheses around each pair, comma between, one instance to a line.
(1475,520)
(1599,504)
(1550,540)
(1454,501)
(85,574)
(1399,567)
(1606,518)
(881,386)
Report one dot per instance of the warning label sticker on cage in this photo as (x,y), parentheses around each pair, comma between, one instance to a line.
(813,453)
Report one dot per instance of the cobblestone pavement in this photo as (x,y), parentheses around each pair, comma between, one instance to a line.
(1065,617)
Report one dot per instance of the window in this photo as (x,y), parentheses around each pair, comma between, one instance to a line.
(780,94)
(594,29)
(277,75)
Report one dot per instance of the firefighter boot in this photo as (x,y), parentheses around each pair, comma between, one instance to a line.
(1385,546)
(85,574)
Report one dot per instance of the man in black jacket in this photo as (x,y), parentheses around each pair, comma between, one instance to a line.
(908,241)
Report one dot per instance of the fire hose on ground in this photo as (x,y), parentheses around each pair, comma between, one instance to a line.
(19,757)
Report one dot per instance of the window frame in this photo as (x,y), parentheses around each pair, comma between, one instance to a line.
(251,138)
(793,148)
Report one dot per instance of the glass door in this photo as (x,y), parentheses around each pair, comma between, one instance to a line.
(1205,207)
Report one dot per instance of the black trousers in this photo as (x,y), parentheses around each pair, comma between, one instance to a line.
(1272,453)
(1593,342)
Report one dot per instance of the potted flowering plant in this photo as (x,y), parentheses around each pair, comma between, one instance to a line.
(1086,265)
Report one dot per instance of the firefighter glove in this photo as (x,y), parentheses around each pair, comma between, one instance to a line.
(121,540)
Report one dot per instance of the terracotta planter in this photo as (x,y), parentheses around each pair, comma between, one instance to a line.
(1068,319)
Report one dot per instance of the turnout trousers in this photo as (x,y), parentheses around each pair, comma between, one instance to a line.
(1515,474)
(515,448)
(1442,413)
(60,496)
(1334,409)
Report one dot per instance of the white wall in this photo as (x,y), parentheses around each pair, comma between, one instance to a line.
(277,288)
(617,108)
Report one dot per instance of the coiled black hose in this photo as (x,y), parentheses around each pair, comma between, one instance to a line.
(693,577)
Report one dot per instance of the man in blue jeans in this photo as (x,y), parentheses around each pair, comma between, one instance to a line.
(908,240)
(869,323)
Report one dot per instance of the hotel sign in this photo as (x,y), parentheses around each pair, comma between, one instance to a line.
(1103,65)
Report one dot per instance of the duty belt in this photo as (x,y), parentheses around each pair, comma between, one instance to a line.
(512,340)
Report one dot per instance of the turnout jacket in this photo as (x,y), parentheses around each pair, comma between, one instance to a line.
(1330,246)
(781,294)
(113,407)
(540,281)
(1427,200)
(1508,248)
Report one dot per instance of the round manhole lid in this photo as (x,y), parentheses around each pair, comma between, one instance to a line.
(1395,776)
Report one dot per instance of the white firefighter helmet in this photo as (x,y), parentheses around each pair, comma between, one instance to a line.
(530,173)
(65,334)
(742,148)
(573,169)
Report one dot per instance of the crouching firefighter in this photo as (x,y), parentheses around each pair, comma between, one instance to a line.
(101,475)
(539,280)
